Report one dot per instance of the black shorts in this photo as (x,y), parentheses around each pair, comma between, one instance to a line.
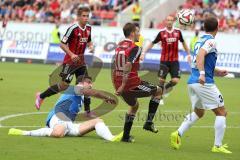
(169,67)
(68,71)
(145,89)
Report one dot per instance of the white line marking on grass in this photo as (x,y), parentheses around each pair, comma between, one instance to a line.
(229,127)
(18,115)
(37,113)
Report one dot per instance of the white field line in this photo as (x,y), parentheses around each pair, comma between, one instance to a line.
(113,126)
(134,126)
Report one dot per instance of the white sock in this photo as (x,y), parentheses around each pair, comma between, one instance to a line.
(187,123)
(220,125)
(103,131)
(42,132)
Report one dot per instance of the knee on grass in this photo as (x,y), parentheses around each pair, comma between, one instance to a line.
(58,131)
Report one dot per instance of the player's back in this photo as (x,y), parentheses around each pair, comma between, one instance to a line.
(206,42)
(126,51)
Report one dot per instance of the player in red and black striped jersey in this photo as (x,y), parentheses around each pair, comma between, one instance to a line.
(169,63)
(73,43)
(128,84)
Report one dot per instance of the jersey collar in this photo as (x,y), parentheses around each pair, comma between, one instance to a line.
(126,39)
(207,34)
(81,27)
(170,30)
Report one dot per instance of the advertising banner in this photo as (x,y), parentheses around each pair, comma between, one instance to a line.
(24,49)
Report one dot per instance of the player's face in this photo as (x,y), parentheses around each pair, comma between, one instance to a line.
(170,21)
(83,18)
(136,34)
(87,83)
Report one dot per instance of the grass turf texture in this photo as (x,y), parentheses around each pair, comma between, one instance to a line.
(17,94)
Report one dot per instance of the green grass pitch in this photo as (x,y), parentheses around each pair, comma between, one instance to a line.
(17,93)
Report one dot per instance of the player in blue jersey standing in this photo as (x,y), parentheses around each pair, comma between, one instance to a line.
(203,92)
(60,120)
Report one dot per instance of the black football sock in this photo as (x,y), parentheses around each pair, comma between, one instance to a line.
(153,106)
(170,84)
(87,102)
(128,125)
(50,91)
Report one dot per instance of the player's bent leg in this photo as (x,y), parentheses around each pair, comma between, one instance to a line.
(88,126)
(59,131)
(152,109)
(129,118)
(169,86)
(54,89)
(220,125)
(101,129)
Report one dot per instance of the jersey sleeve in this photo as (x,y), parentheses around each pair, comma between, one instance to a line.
(209,46)
(134,54)
(68,34)
(157,39)
(90,35)
(181,37)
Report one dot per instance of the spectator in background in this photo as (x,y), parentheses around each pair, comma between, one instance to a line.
(232,23)
(222,24)
(65,12)
(136,11)
(29,14)
(55,9)
(55,35)
(3,10)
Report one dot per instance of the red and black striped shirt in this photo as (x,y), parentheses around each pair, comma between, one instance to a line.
(169,42)
(126,51)
(76,38)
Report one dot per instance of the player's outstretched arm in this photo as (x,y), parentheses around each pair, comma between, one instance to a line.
(220,72)
(98,94)
(145,50)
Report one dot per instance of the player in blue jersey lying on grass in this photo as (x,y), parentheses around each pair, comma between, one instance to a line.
(60,119)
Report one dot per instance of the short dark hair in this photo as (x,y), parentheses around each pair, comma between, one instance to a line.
(128,29)
(82,78)
(210,24)
(83,8)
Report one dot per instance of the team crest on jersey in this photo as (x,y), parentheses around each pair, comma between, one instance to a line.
(88,32)
(175,34)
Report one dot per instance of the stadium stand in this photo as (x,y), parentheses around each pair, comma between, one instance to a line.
(228,12)
(63,11)
(104,12)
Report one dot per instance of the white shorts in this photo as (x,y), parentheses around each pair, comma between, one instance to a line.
(206,96)
(71,129)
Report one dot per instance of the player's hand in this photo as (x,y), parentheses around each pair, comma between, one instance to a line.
(110,100)
(119,90)
(222,73)
(75,58)
(202,79)
(91,49)
(142,57)
(189,59)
